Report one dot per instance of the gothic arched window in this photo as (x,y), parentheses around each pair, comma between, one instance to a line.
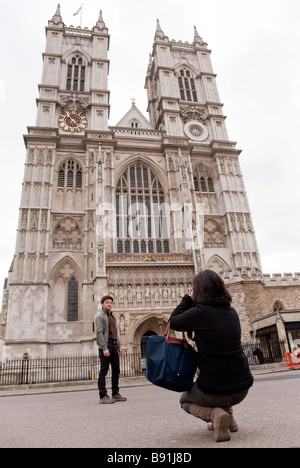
(142,223)
(202,180)
(70,175)
(65,292)
(73,300)
(187,86)
(134,124)
(76,74)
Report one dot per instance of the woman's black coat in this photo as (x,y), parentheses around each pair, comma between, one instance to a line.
(224,368)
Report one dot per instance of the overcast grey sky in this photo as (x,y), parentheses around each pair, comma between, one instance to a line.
(255,53)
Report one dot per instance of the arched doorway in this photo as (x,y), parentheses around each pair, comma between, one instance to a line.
(146,327)
(144,341)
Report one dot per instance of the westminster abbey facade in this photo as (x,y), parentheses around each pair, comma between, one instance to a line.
(133,210)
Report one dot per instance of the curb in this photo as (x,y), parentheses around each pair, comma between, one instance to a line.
(92,385)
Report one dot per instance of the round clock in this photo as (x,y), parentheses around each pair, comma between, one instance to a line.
(73,122)
(196,131)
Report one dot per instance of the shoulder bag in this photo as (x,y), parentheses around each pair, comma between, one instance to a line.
(171,362)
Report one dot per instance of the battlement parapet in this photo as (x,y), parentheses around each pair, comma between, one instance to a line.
(240,274)
(285,279)
(275,279)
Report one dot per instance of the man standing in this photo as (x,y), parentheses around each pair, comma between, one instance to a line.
(109,351)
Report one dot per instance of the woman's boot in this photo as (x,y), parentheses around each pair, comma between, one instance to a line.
(220,420)
(233,426)
(200,412)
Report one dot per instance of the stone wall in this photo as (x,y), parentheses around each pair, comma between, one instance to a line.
(256,295)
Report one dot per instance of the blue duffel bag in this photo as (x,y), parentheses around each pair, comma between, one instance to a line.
(171,362)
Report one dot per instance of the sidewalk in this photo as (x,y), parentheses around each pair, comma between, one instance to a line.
(71,417)
(88,385)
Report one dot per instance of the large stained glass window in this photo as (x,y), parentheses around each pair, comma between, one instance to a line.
(142,215)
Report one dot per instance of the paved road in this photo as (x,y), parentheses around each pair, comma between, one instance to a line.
(151,418)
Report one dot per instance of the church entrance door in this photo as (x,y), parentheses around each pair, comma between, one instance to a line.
(144,341)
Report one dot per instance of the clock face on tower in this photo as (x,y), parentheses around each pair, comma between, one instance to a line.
(73,122)
(196,131)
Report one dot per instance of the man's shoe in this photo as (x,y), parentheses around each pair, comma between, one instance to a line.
(106,400)
(118,397)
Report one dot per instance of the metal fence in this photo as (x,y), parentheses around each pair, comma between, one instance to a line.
(265,352)
(25,371)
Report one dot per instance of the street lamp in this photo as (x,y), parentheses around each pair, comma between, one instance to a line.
(160,322)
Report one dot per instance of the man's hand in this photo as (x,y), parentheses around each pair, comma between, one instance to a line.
(106,353)
(120,352)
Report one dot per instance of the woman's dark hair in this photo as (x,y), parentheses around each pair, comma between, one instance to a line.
(208,287)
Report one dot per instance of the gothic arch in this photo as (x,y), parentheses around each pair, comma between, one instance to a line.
(67,234)
(178,66)
(69,183)
(72,268)
(67,157)
(70,217)
(67,56)
(76,71)
(278,306)
(214,235)
(187,85)
(209,168)
(65,279)
(143,160)
(141,326)
(204,179)
(217,264)
(142,210)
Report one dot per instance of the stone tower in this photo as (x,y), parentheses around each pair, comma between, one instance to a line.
(132,210)
(52,282)
(183,101)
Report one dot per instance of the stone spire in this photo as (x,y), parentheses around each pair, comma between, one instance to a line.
(100,25)
(159,34)
(57,17)
(197,38)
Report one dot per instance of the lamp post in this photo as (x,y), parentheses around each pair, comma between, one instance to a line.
(25,367)
(160,322)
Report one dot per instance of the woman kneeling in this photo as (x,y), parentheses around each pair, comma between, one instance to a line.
(225,377)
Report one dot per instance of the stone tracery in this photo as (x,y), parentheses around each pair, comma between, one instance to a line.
(67,234)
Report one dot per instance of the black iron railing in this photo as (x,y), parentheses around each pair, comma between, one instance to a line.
(26,370)
(265,352)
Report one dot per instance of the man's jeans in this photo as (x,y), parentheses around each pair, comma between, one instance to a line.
(114,360)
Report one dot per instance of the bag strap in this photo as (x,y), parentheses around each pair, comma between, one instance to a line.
(171,339)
